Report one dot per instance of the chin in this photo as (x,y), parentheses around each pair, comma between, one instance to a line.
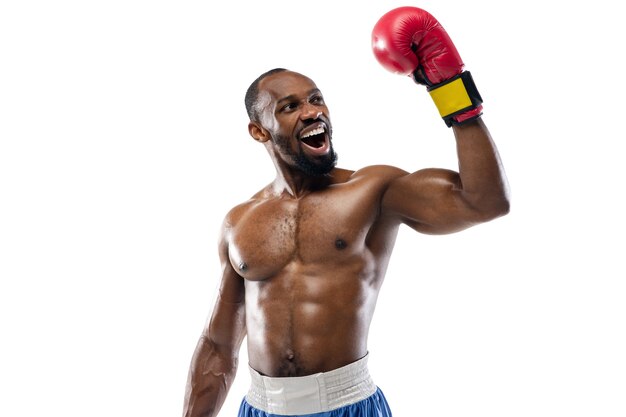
(320,167)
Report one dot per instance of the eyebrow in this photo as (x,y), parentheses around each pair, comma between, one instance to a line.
(292,97)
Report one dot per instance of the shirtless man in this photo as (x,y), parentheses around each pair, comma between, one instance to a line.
(304,259)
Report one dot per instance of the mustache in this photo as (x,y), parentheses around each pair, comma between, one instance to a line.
(306,123)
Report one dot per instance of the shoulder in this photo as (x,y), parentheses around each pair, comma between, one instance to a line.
(235,214)
(379,173)
(372,180)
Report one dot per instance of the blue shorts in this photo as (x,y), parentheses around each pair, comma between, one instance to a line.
(373,406)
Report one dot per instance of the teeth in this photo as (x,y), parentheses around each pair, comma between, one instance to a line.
(314,132)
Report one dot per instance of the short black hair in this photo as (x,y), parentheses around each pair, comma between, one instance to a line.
(253,93)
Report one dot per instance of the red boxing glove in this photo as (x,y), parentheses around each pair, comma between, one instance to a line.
(410,41)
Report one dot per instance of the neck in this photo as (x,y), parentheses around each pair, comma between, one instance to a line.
(293,182)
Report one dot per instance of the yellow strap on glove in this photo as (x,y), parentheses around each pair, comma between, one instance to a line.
(456,95)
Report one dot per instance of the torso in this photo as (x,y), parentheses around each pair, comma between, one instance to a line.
(312,267)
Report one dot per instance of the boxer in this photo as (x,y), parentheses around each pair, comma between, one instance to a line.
(304,258)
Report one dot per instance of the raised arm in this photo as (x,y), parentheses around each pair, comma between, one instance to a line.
(438,201)
(410,41)
(214,363)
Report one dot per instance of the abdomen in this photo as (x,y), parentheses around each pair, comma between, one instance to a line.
(310,319)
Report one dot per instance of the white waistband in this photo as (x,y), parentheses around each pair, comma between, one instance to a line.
(310,394)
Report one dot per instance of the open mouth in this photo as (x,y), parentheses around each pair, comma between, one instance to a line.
(315,138)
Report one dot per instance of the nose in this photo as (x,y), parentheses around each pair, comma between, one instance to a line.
(310,111)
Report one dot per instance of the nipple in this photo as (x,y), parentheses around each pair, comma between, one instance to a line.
(243,266)
(340,244)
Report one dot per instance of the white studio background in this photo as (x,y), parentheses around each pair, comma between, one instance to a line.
(123,143)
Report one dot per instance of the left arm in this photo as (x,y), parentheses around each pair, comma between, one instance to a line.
(410,41)
(438,201)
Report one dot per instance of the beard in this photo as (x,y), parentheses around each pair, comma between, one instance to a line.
(318,166)
(312,166)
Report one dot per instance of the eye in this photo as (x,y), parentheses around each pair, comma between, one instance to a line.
(289,107)
(317,99)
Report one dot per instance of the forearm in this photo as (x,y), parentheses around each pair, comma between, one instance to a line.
(482,179)
(210,376)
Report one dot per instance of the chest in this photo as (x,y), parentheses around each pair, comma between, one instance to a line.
(323,227)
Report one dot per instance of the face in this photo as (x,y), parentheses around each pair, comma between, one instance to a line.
(294,115)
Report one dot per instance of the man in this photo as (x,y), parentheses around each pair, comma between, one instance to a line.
(304,259)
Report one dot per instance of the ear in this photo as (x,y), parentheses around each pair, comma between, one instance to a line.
(258,132)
